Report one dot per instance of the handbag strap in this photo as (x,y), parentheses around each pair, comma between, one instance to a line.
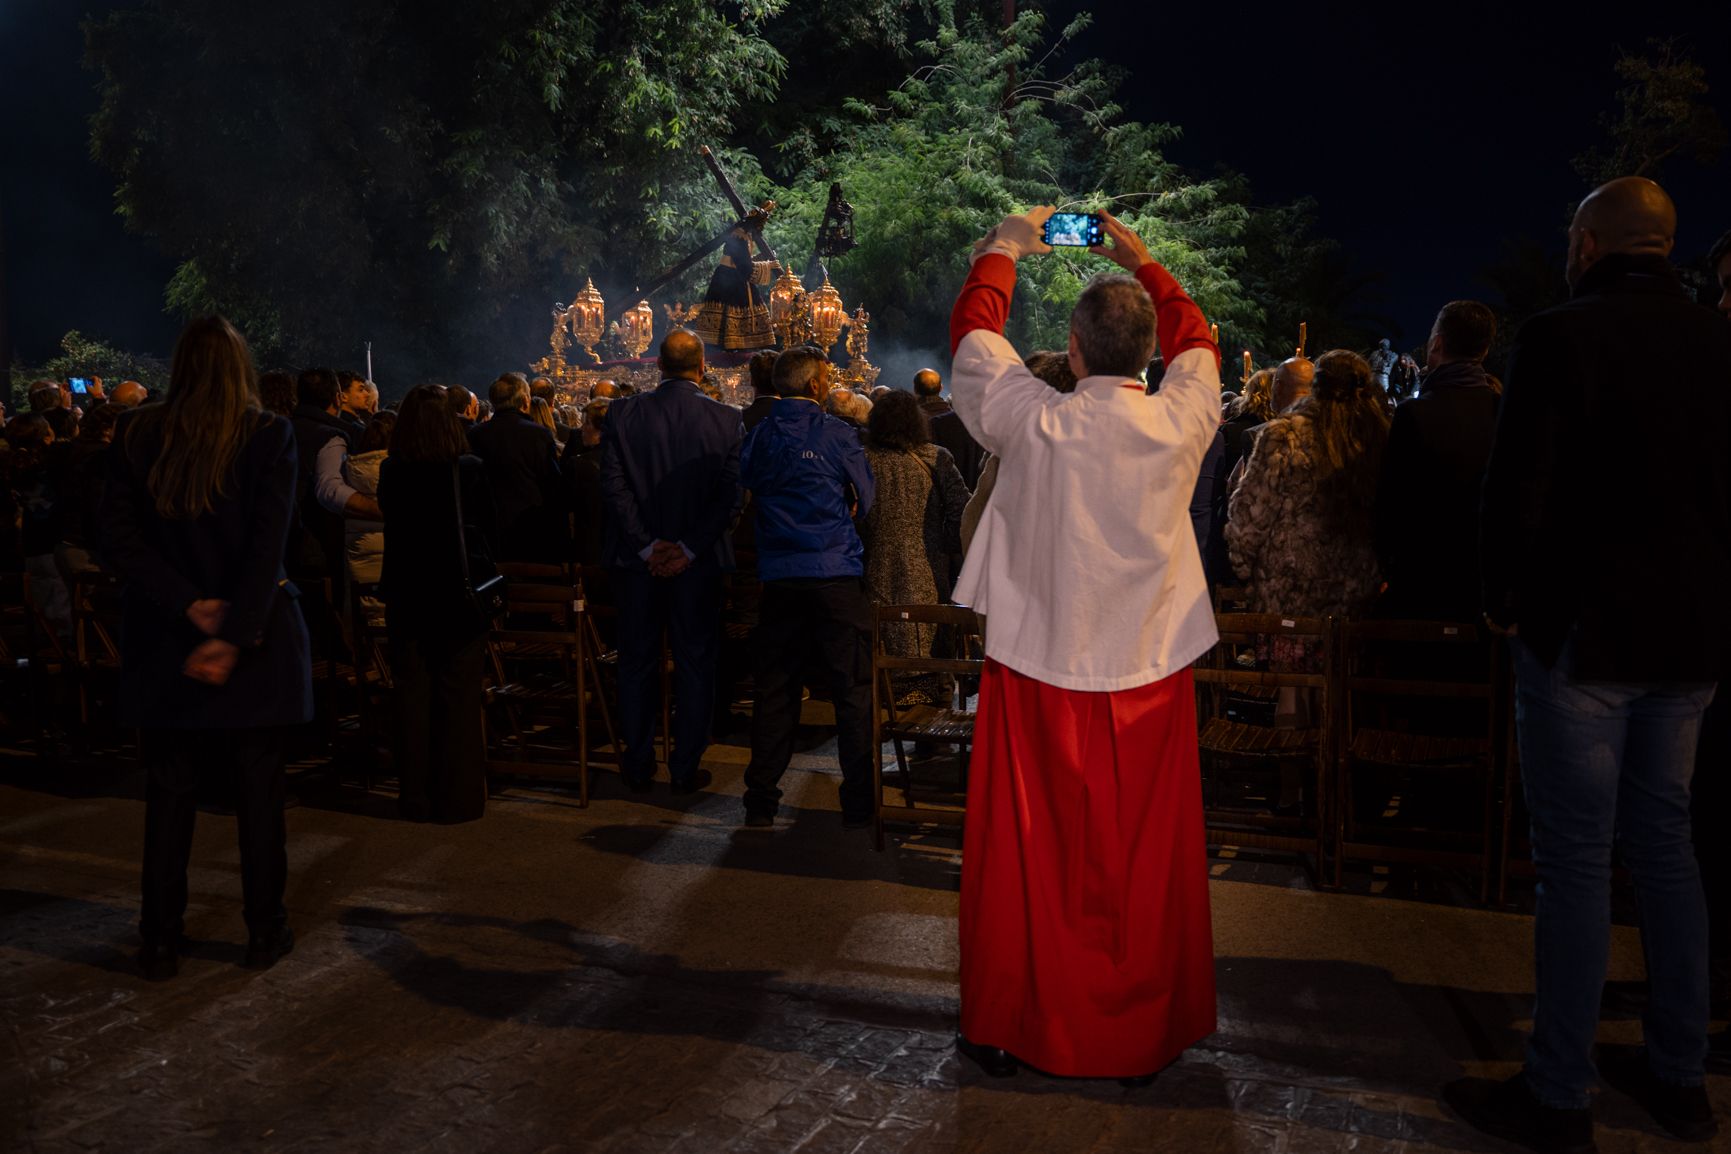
(462,536)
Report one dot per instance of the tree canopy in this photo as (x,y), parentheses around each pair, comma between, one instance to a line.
(432,176)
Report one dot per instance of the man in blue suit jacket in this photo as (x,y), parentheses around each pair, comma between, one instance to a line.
(670,477)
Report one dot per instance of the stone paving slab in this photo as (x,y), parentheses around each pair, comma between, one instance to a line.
(643,976)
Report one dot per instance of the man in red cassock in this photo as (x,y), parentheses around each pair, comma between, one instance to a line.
(1086,944)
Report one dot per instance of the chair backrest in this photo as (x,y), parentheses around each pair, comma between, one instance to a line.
(965,633)
(1242,632)
(1420,677)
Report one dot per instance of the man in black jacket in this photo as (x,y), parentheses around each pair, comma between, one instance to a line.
(522,462)
(670,478)
(1606,555)
(1427,505)
(947,428)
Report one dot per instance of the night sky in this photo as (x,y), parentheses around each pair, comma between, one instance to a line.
(1428,142)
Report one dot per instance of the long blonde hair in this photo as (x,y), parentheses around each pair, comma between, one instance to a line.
(212,393)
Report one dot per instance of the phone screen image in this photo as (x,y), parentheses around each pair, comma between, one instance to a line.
(80,386)
(1074,230)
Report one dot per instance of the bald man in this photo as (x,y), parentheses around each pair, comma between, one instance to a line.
(604,391)
(670,482)
(1292,381)
(128,395)
(1605,554)
(948,431)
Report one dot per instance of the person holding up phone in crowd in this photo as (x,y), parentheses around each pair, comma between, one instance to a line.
(1086,947)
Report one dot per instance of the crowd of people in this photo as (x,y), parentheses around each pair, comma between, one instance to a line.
(1084,501)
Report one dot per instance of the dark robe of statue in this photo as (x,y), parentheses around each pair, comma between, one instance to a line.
(735,313)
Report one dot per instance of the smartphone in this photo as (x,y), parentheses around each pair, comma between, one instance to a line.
(1074,230)
(80,386)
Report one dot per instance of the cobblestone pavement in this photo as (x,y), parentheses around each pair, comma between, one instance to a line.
(644,976)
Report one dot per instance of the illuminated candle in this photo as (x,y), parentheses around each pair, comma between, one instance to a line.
(1247,369)
(1303,336)
(1214,333)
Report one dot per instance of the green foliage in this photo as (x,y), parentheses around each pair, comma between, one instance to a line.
(82,356)
(1661,112)
(432,176)
(423,175)
(955,147)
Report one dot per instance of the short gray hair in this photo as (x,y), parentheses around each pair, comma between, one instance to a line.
(1114,326)
(510,391)
(848,405)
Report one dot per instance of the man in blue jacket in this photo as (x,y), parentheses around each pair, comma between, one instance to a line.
(670,480)
(809,479)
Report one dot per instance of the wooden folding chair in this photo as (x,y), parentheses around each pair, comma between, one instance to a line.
(1243,751)
(95,598)
(542,665)
(951,724)
(1417,717)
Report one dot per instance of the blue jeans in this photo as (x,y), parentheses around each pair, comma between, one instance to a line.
(1604,762)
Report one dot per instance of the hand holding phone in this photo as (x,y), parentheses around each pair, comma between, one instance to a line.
(80,386)
(1126,250)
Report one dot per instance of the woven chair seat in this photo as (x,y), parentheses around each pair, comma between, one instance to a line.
(1382,747)
(540,651)
(931,723)
(550,693)
(1221,735)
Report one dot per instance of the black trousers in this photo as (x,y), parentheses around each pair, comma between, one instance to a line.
(441,745)
(801,623)
(253,760)
(688,607)
(1710,802)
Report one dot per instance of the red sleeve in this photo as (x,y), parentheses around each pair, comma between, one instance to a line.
(984,302)
(1179,323)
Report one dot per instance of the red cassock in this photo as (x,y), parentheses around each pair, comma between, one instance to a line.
(1086,944)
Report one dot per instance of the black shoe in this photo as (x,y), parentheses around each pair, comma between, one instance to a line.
(1684,1111)
(1138,1081)
(995,1062)
(865,822)
(639,784)
(158,961)
(696,783)
(1509,1110)
(263,950)
(757,820)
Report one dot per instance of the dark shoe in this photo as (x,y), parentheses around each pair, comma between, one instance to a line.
(995,1062)
(639,784)
(1138,1081)
(756,820)
(1684,1111)
(158,961)
(696,783)
(1509,1111)
(865,822)
(263,950)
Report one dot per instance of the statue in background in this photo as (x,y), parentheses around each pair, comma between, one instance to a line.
(1382,363)
(734,313)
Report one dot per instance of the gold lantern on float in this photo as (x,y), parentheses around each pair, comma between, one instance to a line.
(787,309)
(828,315)
(637,328)
(860,373)
(587,317)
